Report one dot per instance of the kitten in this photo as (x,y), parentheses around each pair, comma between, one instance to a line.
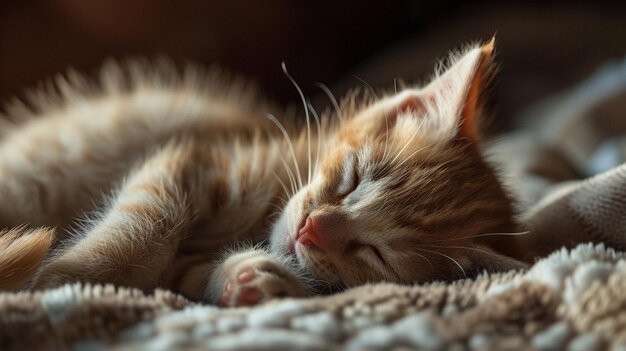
(390,189)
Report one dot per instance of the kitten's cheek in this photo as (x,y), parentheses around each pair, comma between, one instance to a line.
(279,238)
(286,244)
(291,244)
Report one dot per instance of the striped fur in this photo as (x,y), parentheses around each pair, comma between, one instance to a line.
(191,167)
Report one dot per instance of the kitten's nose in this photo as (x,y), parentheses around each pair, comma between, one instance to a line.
(307,235)
(315,233)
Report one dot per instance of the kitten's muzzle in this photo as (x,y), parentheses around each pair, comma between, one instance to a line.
(317,232)
(307,235)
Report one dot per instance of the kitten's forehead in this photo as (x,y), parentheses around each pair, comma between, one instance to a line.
(362,123)
(384,146)
(372,126)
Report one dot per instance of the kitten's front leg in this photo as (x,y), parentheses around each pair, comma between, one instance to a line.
(253,277)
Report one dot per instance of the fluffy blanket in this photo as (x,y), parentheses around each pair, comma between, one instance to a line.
(564,168)
(574,299)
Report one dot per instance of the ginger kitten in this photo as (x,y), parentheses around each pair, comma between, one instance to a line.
(390,189)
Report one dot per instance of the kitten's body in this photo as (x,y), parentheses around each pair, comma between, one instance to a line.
(187,160)
(193,170)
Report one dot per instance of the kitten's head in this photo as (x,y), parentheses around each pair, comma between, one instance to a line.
(401,192)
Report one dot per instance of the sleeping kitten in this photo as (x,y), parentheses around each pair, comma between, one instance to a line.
(390,189)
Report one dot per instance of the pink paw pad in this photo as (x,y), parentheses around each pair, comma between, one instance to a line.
(237,294)
(248,296)
(226,294)
(247,275)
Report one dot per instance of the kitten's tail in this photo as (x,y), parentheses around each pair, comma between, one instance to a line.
(21,253)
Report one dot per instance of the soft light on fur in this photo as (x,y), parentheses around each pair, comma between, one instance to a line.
(396,186)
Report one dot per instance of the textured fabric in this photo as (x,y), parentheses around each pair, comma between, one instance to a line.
(570,299)
(564,167)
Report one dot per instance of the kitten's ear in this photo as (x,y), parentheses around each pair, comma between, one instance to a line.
(451,101)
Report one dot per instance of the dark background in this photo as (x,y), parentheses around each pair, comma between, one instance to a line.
(543,46)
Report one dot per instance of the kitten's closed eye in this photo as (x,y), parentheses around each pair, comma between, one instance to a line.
(349,178)
(373,249)
(367,250)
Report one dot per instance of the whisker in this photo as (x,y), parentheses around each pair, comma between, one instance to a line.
(408,142)
(292,178)
(446,256)
(482,235)
(411,155)
(366,84)
(290,144)
(273,215)
(461,247)
(320,134)
(282,184)
(277,207)
(306,114)
(283,204)
(384,158)
(332,99)
(278,197)
(427,260)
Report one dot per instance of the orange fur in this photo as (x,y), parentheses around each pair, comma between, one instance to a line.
(21,253)
(191,166)
(470,110)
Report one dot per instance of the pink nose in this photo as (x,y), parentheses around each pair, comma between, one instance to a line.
(319,231)
(308,235)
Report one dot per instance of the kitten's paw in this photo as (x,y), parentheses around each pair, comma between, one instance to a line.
(256,280)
